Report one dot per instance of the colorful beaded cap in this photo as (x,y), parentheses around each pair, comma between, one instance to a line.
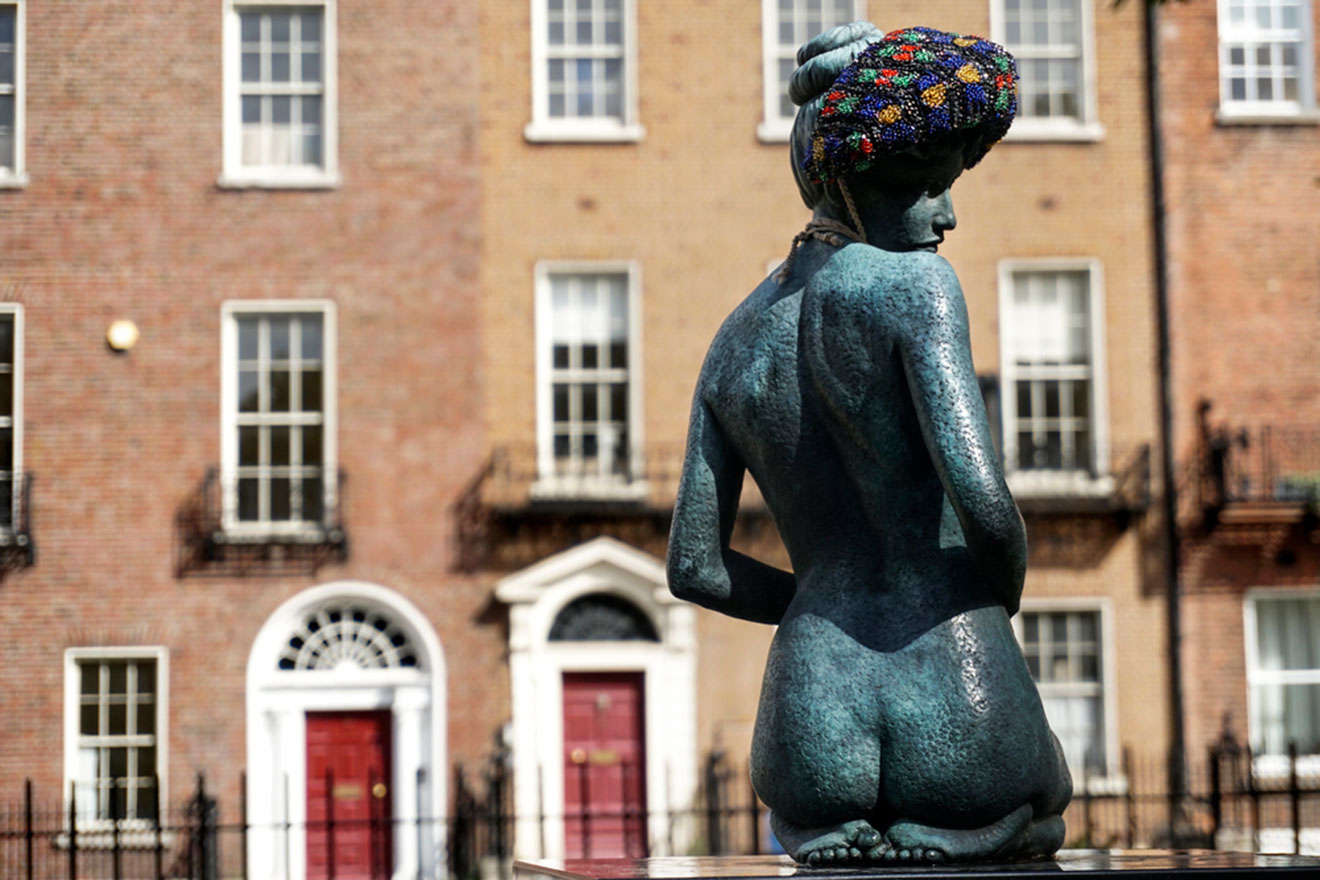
(913,88)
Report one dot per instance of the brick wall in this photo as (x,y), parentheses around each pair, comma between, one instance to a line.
(1245,315)
(123,219)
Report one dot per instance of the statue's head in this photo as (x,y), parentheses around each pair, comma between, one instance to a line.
(899,114)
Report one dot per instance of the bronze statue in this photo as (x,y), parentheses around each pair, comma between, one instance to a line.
(897,720)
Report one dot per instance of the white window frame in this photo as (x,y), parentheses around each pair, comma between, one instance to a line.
(16,499)
(72,703)
(774,128)
(1275,110)
(229,314)
(1268,764)
(1111,780)
(1042,482)
(1088,127)
(16,177)
(548,483)
(236,175)
(547,129)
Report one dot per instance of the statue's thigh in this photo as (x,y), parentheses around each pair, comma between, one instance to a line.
(816,748)
(966,735)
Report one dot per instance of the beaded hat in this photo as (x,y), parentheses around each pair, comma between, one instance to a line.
(914,88)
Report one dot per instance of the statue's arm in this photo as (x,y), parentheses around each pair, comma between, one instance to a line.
(936,352)
(701,567)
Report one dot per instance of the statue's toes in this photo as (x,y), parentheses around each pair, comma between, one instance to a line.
(868,838)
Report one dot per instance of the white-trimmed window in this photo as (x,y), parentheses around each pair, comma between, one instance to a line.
(589,379)
(1283,671)
(1054,44)
(1265,58)
(1053,374)
(279,94)
(11,420)
(1066,646)
(115,738)
(584,71)
(11,93)
(277,449)
(785,26)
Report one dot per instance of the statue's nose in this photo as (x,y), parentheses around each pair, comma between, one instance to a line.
(944,218)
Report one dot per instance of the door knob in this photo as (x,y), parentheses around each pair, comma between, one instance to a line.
(378,790)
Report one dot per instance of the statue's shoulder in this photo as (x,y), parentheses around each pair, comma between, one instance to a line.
(880,287)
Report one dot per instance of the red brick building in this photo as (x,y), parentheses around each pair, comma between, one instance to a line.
(242,519)
(1242,150)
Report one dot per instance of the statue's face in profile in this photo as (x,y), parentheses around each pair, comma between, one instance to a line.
(906,206)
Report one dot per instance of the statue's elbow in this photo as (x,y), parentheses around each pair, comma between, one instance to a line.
(688,577)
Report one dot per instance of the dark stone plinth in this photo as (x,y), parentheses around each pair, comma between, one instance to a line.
(1124,864)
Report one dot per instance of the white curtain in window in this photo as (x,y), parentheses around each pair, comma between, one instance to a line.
(1288,641)
(1077,722)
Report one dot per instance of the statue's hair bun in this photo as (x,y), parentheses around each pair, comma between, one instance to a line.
(823,58)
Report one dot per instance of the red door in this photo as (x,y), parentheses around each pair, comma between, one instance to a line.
(604,765)
(348,795)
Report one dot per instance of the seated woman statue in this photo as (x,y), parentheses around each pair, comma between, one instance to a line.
(897,719)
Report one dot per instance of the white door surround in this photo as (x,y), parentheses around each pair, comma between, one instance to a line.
(387,658)
(537,665)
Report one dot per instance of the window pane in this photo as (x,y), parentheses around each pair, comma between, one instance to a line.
(560,402)
(146,718)
(310,327)
(279,338)
(311,390)
(619,402)
(311,67)
(117,723)
(310,22)
(6,397)
(248,506)
(247,338)
(118,677)
(6,67)
(279,390)
(88,720)
(589,409)
(312,501)
(279,26)
(279,446)
(281,109)
(249,24)
(90,674)
(279,67)
(249,396)
(251,67)
(280,506)
(311,445)
(249,445)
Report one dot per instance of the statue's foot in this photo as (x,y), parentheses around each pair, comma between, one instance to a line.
(850,843)
(1004,839)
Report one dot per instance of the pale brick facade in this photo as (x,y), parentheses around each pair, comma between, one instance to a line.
(703,206)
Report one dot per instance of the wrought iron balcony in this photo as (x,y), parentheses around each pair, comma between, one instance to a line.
(213,535)
(1265,473)
(517,479)
(1123,490)
(17,548)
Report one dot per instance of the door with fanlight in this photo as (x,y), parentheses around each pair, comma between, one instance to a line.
(604,765)
(349,825)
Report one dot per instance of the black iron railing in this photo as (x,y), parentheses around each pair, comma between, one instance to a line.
(213,537)
(17,547)
(1269,463)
